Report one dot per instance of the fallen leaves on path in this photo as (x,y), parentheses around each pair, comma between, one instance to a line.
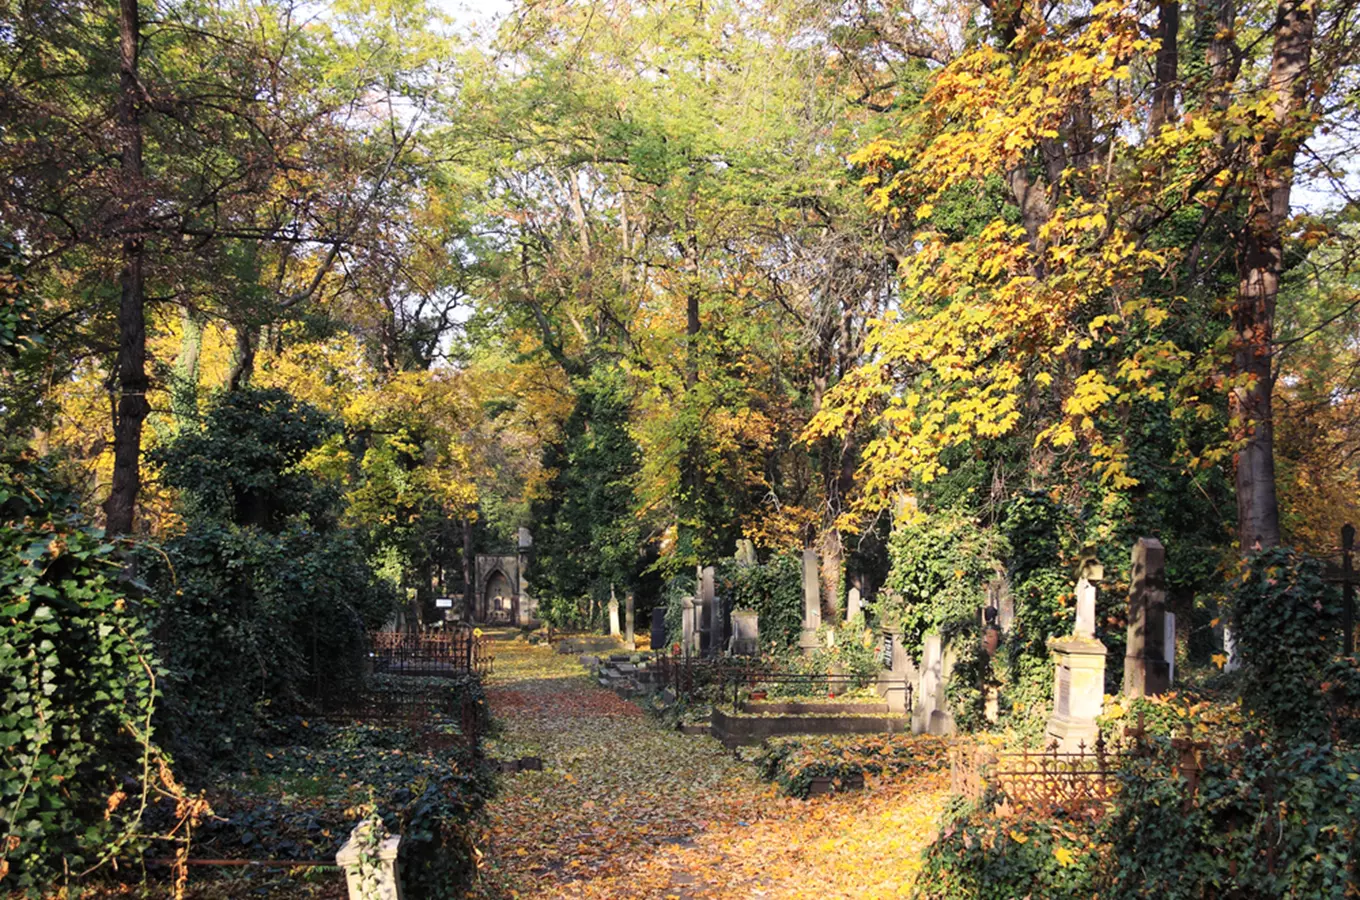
(625,808)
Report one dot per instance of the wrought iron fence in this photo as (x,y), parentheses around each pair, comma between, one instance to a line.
(431,653)
(1084,783)
(1044,781)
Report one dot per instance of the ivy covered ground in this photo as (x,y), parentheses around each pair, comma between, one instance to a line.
(627,808)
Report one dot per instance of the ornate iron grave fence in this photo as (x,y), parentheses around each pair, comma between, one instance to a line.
(450,652)
(1084,783)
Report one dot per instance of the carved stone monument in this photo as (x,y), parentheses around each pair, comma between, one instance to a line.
(1078,672)
(746,553)
(812,603)
(745,632)
(689,626)
(898,672)
(613,614)
(852,604)
(1146,672)
(932,712)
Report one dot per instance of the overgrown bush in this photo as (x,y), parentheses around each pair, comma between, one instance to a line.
(774,590)
(77,689)
(793,762)
(980,857)
(262,597)
(1273,820)
(251,623)
(940,563)
(1267,821)
(1287,623)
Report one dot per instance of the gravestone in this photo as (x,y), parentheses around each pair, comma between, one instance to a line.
(689,626)
(898,672)
(1078,672)
(628,621)
(999,599)
(1230,650)
(658,627)
(710,638)
(1169,648)
(1146,672)
(932,713)
(745,632)
(746,553)
(852,604)
(812,603)
(613,615)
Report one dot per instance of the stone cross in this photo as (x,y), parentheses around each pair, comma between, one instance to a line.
(613,613)
(812,602)
(852,604)
(1091,572)
(1146,672)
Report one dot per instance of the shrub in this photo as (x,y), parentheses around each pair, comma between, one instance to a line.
(774,590)
(77,677)
(939,565)
(793,762)
(1287,625)
(250,622)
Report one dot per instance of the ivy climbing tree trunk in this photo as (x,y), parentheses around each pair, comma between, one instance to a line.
(1260,264)
(131,409)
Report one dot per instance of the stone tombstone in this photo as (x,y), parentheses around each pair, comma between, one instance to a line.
(689,626)
(1146,672)
(368,875)
(1230,650)
(658,628)
(999,599)
(1078,692)
(812,603)
(853,605)
(932,712)
(629,621)
(614,630)
(709,636)
(898,672)
(746,553)
(1078,671)
(745,632)
(1169,648)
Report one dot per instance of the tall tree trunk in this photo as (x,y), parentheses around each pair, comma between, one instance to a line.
(1168,61)
(1260,265)
(132,408)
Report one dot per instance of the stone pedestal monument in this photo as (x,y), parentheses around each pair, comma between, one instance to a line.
(628,621)
(1146,671)
(1078,671)
(613,614)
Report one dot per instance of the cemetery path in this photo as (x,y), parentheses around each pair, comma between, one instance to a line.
(627,809)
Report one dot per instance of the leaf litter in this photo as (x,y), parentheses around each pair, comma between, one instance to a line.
(626,808)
